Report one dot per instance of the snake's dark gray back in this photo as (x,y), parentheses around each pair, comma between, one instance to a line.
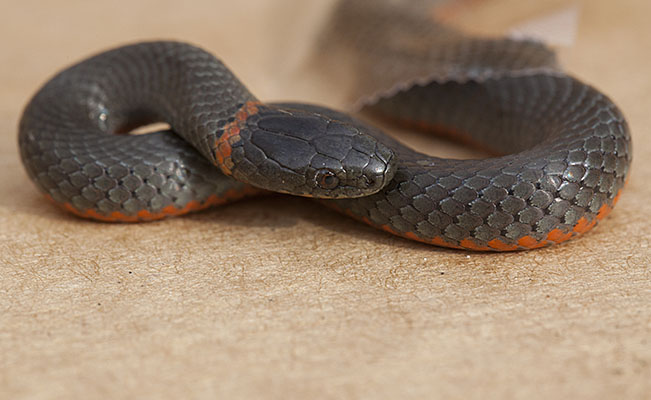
(567,146)
(68,142)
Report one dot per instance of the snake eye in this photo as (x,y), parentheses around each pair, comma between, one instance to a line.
(326,179)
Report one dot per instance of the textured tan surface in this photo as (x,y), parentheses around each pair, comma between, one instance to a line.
(278,298)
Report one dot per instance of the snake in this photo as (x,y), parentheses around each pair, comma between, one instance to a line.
(564,149)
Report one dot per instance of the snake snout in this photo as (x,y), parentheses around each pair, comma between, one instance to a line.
(348,163)
(379,169)
(359,165)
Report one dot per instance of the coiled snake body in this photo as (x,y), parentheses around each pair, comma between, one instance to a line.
(567,145)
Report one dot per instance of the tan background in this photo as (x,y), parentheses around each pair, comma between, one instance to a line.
(276,297)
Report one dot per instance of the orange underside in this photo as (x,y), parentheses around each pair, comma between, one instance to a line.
(169,211)
(526,242)
(231,135)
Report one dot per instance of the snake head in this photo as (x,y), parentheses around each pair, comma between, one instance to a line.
(307,153)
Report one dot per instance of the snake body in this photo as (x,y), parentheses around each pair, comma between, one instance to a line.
(71,145)
(567,150)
